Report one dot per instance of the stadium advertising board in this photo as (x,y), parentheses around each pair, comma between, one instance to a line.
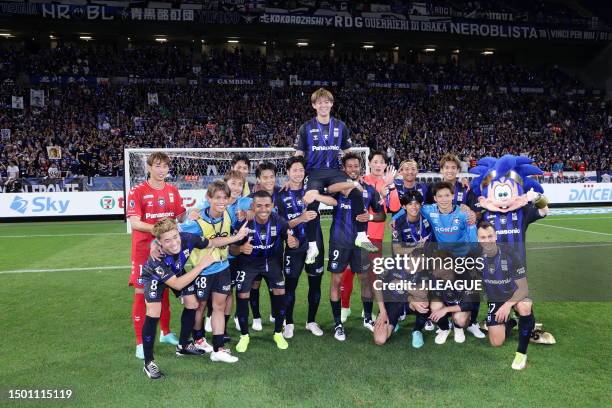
(50,204)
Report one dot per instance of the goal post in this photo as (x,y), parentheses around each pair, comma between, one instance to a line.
(192,169)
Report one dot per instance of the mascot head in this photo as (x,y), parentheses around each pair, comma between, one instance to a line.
(502,183)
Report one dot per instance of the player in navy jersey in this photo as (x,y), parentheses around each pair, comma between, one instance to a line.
(266,181)
(412,229)
(505,284)
(408,170)
(291,207)
(321,140)
(261,254)
(169,271)
(342,249)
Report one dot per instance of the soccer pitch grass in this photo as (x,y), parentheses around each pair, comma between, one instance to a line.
(66,324)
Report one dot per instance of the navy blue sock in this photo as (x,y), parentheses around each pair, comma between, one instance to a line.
(148,337)
(443,323)
(311,226)
(197,334)
(209,307)
(242,311)
(335,306)
(254,300)
(367,308)
(314,296)
(420,321)
(474,314)
(217,341)
(278,311)
(290,286)
(526,325)
(187,321)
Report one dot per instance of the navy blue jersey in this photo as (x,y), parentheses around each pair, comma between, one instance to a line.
(452,297)
(291,205)
(410,233)
(267,239)
(343,231)
(460,196)
(172,265)
(322,146)
(500,273)
(402,189)
(511,227)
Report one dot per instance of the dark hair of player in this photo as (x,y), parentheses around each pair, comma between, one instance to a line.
(293,160)
(261,194)
(240,157)
(350,156)
(411,196)
(265,166)
(215,186)
(158,157)
(484,224)
(375,153)
(441,185)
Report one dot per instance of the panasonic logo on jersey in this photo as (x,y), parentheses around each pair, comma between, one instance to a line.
(263,246)
(319,148)
(345,206)
(159,215)
(509,231)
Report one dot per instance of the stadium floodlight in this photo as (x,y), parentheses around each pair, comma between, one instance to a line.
(488,52)
(333,45)
(52,37)
(161,39)
(396,48)
(368,46)
(457,51)
(429,50)
(85,37)
(5,35)
(302,44)
(192,169)
(233,41)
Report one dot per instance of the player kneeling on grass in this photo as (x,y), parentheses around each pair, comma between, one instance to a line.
(505,283)
(455,302)
(260,253)
(169,272)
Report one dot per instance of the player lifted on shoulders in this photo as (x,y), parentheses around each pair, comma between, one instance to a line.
(320,141)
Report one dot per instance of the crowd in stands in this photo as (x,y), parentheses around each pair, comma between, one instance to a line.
(93,123)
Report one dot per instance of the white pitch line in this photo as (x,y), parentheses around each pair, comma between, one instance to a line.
(95,268)
(63,235)
(573,229)
(569,218)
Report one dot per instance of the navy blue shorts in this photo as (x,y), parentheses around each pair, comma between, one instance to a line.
(321,178)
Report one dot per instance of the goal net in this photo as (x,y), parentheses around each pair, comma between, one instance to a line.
(191,170)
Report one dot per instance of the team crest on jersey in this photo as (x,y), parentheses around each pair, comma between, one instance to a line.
(456,221)
(273,231)
(514,216)
(186,253)
(160,272)
(161,202)
(365,194)
(460,197)
(336,132)
(504,265)
(426,223)
(171,197)
(132,204)
(503,220)
(177,265)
